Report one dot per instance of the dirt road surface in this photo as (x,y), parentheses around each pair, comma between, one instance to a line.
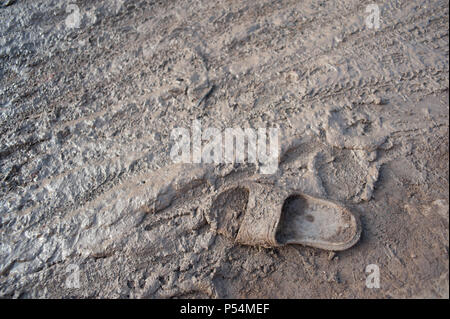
(92,205)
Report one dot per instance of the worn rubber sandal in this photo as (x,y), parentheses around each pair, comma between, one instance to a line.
(268,216)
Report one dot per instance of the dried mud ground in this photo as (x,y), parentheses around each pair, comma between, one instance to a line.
(86,114)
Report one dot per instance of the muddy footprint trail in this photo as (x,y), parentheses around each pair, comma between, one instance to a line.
(87,108)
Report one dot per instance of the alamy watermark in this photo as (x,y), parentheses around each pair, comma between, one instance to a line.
(73,20)
(76,16)
(73,277)
(373,277)
(373,19)
(212,146)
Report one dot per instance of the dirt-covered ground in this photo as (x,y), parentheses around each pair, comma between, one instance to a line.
(91,90)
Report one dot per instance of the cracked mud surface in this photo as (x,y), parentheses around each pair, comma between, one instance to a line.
(86,114)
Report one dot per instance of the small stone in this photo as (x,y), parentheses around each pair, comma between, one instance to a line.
(377,100)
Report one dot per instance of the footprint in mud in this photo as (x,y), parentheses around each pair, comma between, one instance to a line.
(228,209)
(268,216)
